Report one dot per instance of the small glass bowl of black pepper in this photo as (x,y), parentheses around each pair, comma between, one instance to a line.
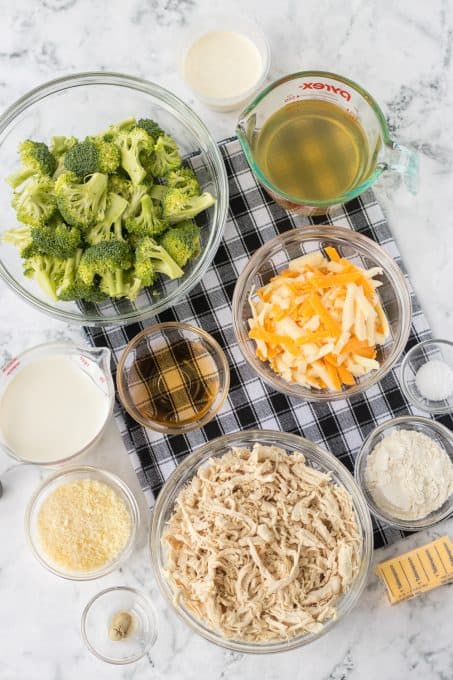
(119,625)
(173,378)
(427,376)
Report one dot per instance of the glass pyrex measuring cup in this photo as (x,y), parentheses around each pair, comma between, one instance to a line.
(95,363)
(385,155)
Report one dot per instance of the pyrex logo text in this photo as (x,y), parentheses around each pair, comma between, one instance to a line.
(326,86)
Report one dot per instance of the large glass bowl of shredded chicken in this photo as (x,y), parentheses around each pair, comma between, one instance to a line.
(261,541)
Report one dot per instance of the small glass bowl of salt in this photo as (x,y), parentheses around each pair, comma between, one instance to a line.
(427,376)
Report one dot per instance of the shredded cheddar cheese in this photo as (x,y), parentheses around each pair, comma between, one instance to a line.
(318,323)
(84,524)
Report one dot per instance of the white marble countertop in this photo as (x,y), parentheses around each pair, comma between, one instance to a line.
(401,52)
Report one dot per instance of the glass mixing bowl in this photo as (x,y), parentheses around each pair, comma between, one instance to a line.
(83,104)
(274,256)
(315,457)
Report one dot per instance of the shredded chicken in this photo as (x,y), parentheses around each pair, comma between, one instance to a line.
(261,546)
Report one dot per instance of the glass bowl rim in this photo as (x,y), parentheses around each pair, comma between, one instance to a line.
(208,145)
(115,482)
(405,363)
(288,441)
(150,612)
(63,344)
(360,466)
(363,244)
(161,328)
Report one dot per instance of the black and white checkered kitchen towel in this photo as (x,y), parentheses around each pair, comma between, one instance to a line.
(340,426)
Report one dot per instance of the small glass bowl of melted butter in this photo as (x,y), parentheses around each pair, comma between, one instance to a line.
(173,378)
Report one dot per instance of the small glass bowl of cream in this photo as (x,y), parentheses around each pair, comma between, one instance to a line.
(55,402)
(383,497)
(427,376)
(225,60)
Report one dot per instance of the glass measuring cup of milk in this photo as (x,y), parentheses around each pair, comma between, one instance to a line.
(356,106)
(55,402)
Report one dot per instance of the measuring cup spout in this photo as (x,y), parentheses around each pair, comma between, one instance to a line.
(101,355)
(402,161)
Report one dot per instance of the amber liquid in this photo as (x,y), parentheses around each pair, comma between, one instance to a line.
(313,150)
(174,385)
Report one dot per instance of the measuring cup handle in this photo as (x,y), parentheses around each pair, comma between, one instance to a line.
(404,162)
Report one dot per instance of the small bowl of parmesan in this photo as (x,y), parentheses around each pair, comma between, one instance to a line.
(405,470)
(81,523)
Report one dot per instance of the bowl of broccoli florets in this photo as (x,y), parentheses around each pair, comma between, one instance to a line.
(107,222)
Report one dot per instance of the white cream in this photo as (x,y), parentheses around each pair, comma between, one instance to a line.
(222,65)
(51,409)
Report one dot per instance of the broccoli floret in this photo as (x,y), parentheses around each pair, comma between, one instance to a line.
(143,275)
(121,186)
(59,145)
(182,242)
(163,263)
(112,130)
(82,159)
(72,288)
(158,191)
(178,207)
(131,192)
(55,239)
(109,156)
(81,203)
(92,155)
(148,221)
(109,260)
(19,237)
(165,156)
(151,127)
(185,180)
(131,144)
(66,287)
(36,160)
(35,204)
(102,231)
(136,195)
(47,271)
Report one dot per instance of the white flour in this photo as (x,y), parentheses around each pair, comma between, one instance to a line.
(409,475)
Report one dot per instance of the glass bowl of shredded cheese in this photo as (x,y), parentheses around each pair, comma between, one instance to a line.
(261,541)
(321,313)
(81,523)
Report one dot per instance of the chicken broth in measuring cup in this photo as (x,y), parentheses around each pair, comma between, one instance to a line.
(313,150)
(315,140)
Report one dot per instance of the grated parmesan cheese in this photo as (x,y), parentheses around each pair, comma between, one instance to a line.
(84,524)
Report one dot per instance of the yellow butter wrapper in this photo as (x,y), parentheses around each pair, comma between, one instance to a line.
(417,571)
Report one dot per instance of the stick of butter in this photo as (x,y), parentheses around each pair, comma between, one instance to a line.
(417,571)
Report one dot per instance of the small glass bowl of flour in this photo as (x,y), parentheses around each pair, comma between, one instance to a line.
(427,376)
(405,470)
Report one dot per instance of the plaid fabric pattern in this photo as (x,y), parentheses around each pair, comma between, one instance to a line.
(340,426)
(172,378)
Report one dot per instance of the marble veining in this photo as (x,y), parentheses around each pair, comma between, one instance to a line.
(401,52)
